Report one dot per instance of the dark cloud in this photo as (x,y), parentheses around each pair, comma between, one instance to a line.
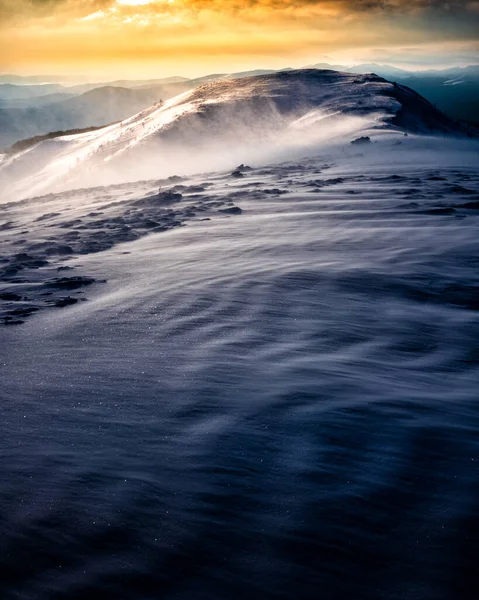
(32,9)
(353,5)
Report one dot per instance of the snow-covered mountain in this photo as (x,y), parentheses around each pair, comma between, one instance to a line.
(219,122)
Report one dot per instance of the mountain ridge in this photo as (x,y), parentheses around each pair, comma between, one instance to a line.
(227,119)
(454,91)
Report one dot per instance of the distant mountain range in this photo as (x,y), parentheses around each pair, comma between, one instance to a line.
(72,81)
(96,107)
(455,91)
(31,106)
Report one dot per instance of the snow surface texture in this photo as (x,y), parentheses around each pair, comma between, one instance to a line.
(253,405)
(267,117)
(254,383)
(42,237)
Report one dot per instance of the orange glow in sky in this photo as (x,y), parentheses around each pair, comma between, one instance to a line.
(194,37)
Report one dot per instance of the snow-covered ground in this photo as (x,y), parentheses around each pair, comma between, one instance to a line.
(252,383)
(214,391)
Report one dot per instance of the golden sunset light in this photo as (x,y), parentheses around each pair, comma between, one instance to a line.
(195,36)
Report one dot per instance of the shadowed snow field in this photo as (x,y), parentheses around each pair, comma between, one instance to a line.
(270,390)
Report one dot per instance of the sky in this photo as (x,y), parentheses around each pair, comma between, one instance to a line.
(162,38)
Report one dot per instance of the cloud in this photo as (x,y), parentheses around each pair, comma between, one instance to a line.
(18,10)
(432,16)
(32,9)
(220,31)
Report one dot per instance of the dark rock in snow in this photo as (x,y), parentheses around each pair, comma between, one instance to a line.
(68,301)
(169,197)
(59,250)
(47,216)
(69,283)
(365,139)
(274,191)
(10,297)
(22,261)
(195,189)
(6,226)
(24,311)
(234,210)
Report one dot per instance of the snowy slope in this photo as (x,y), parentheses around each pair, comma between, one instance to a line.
(200,128)
(261,386)
(254,404)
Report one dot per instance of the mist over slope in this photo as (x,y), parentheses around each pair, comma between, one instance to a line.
(30,110)
(97,107)
(11,91)
(260,118)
